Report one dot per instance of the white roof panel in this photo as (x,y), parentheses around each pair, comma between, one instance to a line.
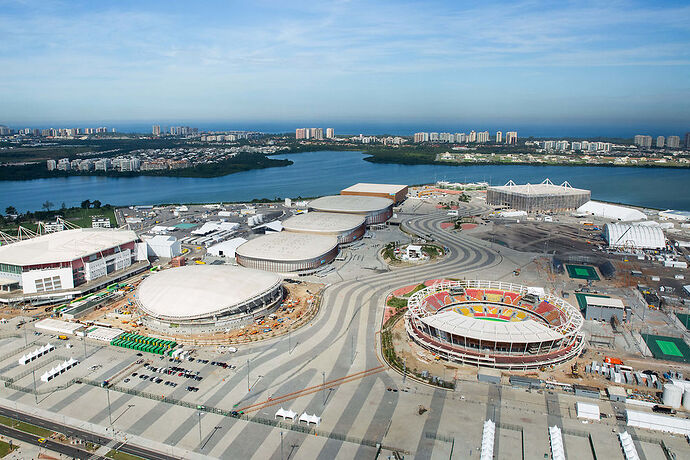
(64,246)
(611,211)
(635,236)
(287,246)
(195,291)
(509,331)
(350,203)
(323,222)
(363,187)
(604,302)
(587,410)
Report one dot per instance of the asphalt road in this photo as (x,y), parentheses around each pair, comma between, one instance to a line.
(77,433)
(49,443)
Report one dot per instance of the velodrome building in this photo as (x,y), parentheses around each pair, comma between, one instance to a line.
(207,298)
(68,263)
(494,324)
(288,252)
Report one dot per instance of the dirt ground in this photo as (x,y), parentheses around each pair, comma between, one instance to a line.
(298,306)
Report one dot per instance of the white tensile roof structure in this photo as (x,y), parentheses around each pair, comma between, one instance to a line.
(491,331)
(556,441)
(310,419)
(488,437)
(634,236)
(227,247)
(286,414)
(628,446)
(64,246)
(611,211)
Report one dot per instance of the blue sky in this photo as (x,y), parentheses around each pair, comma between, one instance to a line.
(614,63)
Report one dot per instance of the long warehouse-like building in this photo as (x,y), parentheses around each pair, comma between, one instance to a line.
(61,261)
(207,298)
(376,210)
(287,252)
(543,197)
(346,227)
(395,192)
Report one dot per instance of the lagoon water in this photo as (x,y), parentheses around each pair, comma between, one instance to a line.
(327,172)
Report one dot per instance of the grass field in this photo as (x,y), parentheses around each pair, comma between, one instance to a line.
(668,348)
(5,448)
(121,456)
(25,427)
(582,272)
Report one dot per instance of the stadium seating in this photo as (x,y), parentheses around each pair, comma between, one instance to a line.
(511,298)
(476,294)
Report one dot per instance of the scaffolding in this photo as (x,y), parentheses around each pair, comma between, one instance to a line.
(542,197)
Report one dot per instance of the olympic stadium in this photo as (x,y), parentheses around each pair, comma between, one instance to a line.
(494,324)
(207,298)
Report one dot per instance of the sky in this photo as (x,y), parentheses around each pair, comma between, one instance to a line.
(624,65)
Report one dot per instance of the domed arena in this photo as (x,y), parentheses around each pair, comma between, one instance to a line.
(494,324)
(207,298)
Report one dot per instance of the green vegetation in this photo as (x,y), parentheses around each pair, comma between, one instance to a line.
(25,427)
(397,302)
(432,251)
(114,454)
(5,448)
(79,216)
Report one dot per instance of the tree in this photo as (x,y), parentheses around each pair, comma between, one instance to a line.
(86,204)
(10,210)
(47,205)
(96,204)
(63,206)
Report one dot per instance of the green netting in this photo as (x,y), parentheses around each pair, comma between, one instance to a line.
(668,348)
(582,272)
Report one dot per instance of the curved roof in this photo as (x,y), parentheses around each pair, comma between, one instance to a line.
(198,291)
(635,236)
(287,247)
(64,246)
(350,203)
(611,211)
(510,332)
(323,222)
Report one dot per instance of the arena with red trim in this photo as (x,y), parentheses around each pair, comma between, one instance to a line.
(494,324)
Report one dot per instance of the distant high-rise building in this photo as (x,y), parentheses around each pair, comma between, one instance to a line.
(460,138)
(511,138)
(5,130)
(660,141)
(687,140)
(301,133)
(330,133)
(472,137)
(483,136)
(642,140)
(51,164)
(673,142)
(421,137)
(317,133)
(575,146)
(499,137)
(433,137)
(156,131)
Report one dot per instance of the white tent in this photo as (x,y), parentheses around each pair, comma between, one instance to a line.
(556,442)
(274,226)
(286,414)
(658,422)
(226,248)
(629,449)
(634,236)
(310,419)
(488,435)
(587,410)
(163,246)
(610,211)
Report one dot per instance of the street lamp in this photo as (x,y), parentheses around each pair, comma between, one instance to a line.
(199,426)
(323,374)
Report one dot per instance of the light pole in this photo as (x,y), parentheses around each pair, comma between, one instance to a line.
(199,427)
(248,387)
(323,374)
(110,415)
(281,445)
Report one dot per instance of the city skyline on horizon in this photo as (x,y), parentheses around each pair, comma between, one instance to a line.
(624,65)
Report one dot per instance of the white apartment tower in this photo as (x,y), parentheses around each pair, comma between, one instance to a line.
(499,137)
